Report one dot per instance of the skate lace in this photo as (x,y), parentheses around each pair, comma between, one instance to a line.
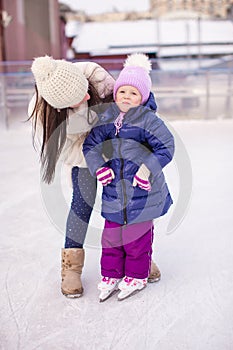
(109,280)
(130,281)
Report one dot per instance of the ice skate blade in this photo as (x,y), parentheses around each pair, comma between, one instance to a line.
(122,296)
(106,296)
(153,280)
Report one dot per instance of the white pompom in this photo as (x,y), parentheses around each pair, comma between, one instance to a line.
(43,67)
(138,60)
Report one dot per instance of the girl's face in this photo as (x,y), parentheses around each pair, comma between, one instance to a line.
(86,98)
(127,97)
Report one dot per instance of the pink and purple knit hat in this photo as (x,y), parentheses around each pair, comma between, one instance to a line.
(136,73)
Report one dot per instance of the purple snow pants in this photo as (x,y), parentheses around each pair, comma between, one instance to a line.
(127,249)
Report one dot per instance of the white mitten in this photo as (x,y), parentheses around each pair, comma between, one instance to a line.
(105,175)
(141,178)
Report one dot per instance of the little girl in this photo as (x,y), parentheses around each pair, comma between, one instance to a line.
(134,187)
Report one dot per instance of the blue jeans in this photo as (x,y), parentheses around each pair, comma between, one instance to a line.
(84,193)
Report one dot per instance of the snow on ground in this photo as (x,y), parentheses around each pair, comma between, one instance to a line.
(189,309)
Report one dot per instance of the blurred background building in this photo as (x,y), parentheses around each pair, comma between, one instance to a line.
(29,28)
(162,29)
(189,42)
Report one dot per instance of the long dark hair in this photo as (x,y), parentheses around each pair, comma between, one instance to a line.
(54,124)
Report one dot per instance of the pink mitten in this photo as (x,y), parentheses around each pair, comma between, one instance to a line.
(141,178)
(105,175)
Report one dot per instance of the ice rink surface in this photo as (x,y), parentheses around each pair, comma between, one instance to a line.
(191,308)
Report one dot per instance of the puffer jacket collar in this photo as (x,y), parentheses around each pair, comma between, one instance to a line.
(151,103)
(113,111)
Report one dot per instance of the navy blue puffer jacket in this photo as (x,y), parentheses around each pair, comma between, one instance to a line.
(143,138)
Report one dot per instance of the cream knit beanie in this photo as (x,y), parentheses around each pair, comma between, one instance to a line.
(59,82)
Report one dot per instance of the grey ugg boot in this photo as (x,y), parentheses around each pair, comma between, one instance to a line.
(155,274)
(72,264)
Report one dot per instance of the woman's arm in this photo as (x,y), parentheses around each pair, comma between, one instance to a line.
(92,148)
(98,77)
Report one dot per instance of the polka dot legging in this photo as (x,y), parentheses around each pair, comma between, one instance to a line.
(84,193)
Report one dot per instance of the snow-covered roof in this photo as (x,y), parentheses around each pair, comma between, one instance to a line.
(147,35)
(96,7)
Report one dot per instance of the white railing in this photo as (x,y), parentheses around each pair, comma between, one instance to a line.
(180,94)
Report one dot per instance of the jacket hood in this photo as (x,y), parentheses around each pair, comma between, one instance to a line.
(151,103)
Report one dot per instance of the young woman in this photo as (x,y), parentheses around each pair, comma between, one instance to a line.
(62,111)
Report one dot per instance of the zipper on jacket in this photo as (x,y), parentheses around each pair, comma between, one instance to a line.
(123,183)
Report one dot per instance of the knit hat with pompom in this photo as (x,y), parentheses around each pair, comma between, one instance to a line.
(59,82)
(136,73)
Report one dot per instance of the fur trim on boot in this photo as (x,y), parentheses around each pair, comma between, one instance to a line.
(72,264)
(155,274)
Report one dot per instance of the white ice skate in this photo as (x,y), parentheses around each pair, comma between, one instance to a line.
(130,286)
(108,286)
